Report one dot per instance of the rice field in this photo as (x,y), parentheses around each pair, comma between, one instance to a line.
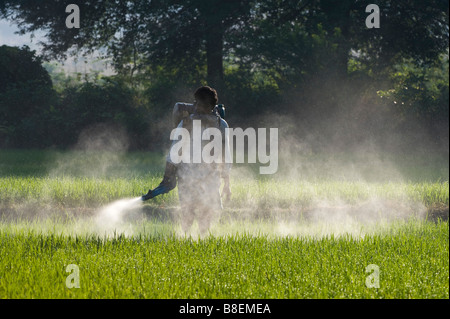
(283,238)
(412,258)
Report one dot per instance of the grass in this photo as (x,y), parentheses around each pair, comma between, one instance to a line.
(412,258)
(268,243)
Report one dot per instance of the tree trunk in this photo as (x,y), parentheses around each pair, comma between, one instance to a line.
(337,14)
(214,53)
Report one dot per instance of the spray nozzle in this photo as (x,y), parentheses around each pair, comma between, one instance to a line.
(161,189)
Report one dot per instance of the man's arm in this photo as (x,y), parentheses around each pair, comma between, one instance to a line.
(180,111)
(169,181)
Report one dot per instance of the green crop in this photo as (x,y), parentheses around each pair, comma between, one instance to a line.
(412,258)
(278,237)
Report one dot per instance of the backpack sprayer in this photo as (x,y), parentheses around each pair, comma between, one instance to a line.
(170,179)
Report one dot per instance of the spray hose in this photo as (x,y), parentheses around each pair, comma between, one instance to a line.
(161,189)
(168,183)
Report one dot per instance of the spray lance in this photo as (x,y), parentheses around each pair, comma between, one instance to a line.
(170,173)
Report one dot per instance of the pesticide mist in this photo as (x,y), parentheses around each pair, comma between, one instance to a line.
(109,219)
(96,188)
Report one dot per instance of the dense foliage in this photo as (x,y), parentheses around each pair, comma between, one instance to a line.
(311,60)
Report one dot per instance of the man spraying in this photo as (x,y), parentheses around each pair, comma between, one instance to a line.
(198,183)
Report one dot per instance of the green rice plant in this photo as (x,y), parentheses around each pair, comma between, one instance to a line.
(412,258)
(69,190)
(261,246)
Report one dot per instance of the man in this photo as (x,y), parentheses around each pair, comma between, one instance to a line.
(198,183)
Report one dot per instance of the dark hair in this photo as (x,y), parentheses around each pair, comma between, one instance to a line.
(207,95)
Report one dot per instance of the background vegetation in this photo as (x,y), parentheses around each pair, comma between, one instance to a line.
(314,62)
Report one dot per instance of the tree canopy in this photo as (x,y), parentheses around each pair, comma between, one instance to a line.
(25,90)
(281,34)
(310,58)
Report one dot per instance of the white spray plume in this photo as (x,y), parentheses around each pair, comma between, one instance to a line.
(110,218)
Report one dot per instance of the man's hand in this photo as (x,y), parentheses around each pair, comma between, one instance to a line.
(226,190)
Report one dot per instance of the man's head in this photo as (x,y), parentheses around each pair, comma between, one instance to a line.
(206,98)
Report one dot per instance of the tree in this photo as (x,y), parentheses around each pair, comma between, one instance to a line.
(26,93)
(316,50)
(138,34)
(106,101)
(423,94)
(296,37)
(281,35)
